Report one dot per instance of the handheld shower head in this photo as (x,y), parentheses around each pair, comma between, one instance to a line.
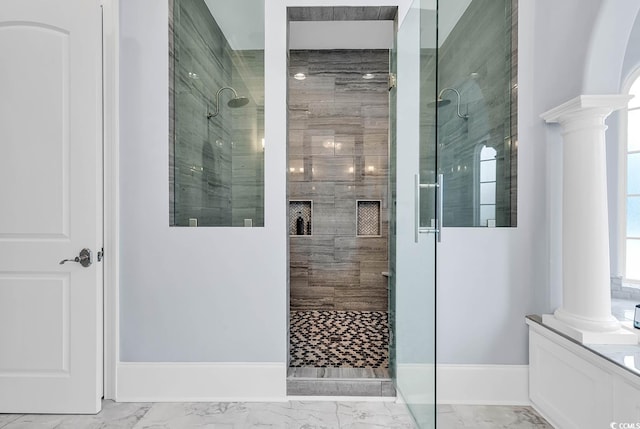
(236,101)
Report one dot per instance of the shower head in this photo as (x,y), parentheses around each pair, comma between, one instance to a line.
(440,102)
(236,101)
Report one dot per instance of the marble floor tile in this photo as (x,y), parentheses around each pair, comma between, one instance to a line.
(294,414)
(280,415)
(113,416)
(387,415)
(448,418)
(195,415)
(498,417)
(5,419)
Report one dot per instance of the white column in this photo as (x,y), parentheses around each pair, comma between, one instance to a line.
(585,314)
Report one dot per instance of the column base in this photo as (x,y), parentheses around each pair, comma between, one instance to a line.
(629,327)
(618,336)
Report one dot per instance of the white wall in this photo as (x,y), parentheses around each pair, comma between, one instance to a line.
(607,46)
(341,34)
(219,294)
(242,22)
(192,294)
(489,279)
(198,294)
(632,54)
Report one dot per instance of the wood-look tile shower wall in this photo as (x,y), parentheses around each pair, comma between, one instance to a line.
(338,154)
(478,58)
(216,165)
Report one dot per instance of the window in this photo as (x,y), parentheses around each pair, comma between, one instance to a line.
(487,187)
(631,200)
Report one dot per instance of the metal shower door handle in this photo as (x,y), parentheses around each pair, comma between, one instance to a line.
(84,258)
(439,186)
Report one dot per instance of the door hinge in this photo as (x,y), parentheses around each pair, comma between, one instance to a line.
(100,255)
(393,81)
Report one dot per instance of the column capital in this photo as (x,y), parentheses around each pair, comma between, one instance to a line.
(598,106)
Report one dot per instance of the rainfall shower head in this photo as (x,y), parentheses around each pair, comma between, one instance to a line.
(441,102)
(236,101)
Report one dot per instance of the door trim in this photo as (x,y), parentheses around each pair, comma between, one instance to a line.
(111,155)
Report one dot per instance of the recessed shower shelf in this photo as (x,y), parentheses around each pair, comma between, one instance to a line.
(368,212)
(300,217)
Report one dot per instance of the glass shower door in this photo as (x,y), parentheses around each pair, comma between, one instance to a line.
(414,217)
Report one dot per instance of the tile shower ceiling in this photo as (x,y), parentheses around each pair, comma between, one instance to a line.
(343,13)
(346,339)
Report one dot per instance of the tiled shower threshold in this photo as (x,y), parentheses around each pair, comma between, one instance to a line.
(310,381)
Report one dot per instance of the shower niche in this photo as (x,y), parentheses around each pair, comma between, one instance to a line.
(300,217)
(369,219)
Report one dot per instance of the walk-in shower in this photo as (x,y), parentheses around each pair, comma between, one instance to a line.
(338,175)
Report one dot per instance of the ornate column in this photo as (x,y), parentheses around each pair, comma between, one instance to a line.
(585,314)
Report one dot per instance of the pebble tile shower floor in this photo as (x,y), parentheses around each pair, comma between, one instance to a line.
(347,339)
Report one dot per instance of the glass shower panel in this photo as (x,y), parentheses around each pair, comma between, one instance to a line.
(412,282)
(393,198)
(216,156)
(477,109)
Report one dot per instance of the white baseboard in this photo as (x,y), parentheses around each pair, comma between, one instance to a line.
(201,382)
(483,384)
(266,382)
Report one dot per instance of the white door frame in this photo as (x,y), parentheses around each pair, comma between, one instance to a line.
(111,134)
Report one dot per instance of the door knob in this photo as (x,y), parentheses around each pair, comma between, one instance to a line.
(84,258)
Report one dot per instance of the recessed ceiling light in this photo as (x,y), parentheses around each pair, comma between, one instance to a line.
(368,76)
(300,76)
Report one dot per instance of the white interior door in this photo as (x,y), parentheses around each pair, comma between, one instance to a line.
(50,206)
